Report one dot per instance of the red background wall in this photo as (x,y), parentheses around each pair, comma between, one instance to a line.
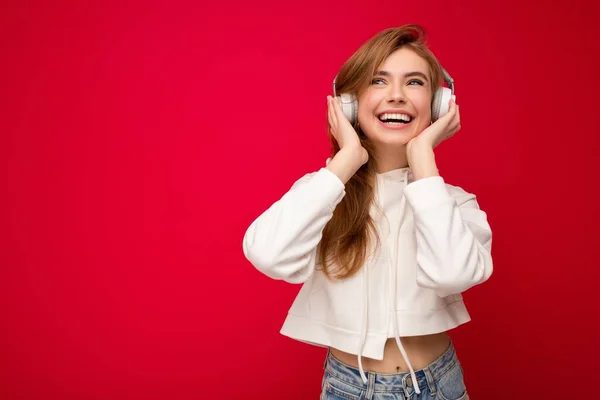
(139,140)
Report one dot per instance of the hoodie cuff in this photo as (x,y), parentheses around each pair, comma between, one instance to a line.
(426,193)
(329,187)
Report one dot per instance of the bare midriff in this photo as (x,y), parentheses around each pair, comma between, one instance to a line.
(421,351)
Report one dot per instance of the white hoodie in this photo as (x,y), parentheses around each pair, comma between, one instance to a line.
(435,244)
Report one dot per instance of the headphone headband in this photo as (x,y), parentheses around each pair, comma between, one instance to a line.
(448,80)
(334,93)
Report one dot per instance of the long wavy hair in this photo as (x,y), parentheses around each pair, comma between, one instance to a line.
(348,235)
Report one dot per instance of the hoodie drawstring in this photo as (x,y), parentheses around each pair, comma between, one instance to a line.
(365,322)
(395,269)
(365,316)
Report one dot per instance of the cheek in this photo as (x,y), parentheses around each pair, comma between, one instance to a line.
(426,113)
(423,105)
(366,104)
(366,110)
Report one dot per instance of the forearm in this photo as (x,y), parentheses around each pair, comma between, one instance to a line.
(453,241)
(282,241)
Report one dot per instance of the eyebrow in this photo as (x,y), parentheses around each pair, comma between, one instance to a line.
(407,75)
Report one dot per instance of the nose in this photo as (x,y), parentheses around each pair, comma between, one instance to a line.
(396,94)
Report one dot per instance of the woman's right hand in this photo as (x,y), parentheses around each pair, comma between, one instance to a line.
(343,132)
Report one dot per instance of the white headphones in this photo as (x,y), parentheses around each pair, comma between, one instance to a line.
(439,106)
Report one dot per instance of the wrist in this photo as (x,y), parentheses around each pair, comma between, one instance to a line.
(422,163)
(346,162)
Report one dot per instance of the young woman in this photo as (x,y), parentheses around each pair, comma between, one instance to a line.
(383,246)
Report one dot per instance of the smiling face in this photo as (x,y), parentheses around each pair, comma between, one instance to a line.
(396,106)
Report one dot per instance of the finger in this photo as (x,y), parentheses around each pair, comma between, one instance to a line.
(458,113)
(451,116)
(456,119)
(452,125)
(455,124)
(330,112)
(455,129)
(334,112)
(446,120)
(339,114)
(452,108)
(332,120)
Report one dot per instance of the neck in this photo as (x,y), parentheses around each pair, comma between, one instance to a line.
(390,158)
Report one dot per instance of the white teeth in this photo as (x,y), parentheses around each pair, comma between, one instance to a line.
(388,116)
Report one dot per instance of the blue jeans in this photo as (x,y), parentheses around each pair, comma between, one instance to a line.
(440,380)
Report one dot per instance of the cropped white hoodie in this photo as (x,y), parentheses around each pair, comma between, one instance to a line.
(435,243)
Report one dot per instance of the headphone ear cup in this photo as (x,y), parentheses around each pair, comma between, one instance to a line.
(440,105)
(349,106)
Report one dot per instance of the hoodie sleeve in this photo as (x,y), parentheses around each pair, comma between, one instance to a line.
(454,239)
(282,242)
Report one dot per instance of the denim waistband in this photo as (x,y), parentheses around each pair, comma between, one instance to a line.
(383,382)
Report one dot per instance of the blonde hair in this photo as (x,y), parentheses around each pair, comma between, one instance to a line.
(346,237)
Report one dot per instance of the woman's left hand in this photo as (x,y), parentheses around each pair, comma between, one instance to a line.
(439,131)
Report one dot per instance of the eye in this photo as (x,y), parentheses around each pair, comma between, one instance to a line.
(416,81)
(377,81)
